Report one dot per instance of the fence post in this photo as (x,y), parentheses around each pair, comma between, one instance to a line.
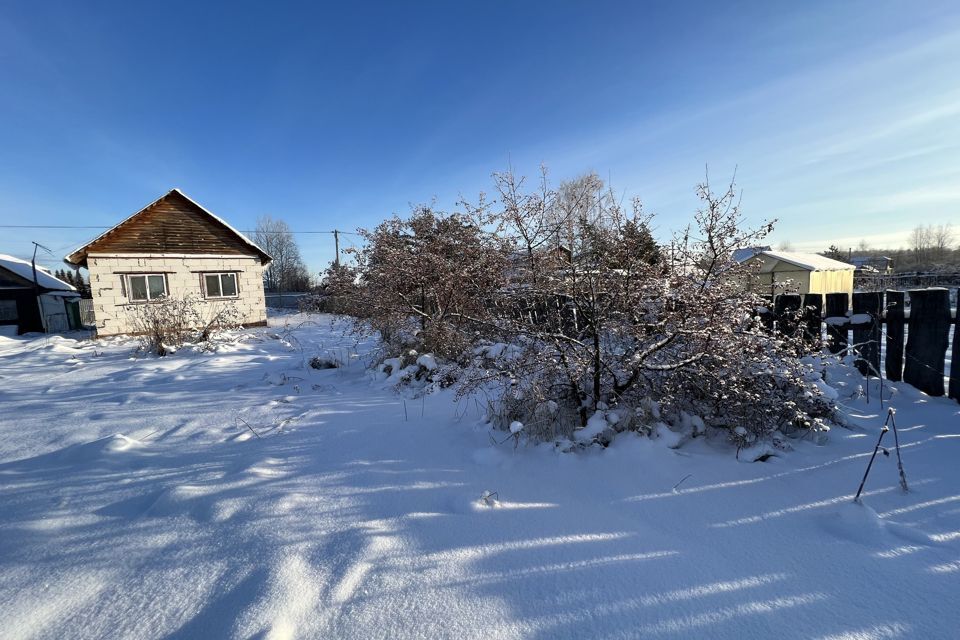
(929,330)
(895,321)
(813,319)
(836,319)
(955,356)
(866,335)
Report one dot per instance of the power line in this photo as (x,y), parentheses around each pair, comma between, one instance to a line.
(57,226)
(44,226)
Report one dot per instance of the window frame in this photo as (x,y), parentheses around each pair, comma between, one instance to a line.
(220,274)
(127,281)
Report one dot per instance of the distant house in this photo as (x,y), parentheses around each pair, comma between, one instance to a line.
(788,272)
(171,247)
(47,304)
(873,264)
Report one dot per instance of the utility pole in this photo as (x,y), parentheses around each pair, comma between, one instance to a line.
(336,244)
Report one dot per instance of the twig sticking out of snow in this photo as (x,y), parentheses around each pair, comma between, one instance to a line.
(489,498)
(883,432)
(682,480)
(891,412)
(516,427)
(249,427)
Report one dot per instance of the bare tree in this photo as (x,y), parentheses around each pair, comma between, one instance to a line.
(287,271)
(919,243)
(931,243)
(942,238)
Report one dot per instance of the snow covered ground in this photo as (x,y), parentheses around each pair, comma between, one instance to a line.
(135,502)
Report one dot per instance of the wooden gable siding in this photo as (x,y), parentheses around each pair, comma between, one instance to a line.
(171,225)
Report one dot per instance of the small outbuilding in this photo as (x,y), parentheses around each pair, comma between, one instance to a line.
(32,300)
(873,264)
(172,247)
(789,272)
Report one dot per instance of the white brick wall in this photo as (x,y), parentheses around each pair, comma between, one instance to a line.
(183,277)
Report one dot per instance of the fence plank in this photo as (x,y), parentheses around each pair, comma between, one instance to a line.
(87,317)
(955,356)
(895,323)
(866,336)
(836,318)
(812,319)
(927,340)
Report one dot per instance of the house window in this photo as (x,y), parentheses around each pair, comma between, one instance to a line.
(147,286)
(220,285)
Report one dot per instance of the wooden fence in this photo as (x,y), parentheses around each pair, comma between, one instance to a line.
(87,317)
(287,300)
(905,281)
(912,348)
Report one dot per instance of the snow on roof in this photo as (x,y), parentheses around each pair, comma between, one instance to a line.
(739,255)
(244,238)
(809,261)
(23,269)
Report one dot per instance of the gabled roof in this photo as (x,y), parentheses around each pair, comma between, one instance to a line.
(23,269)
(739,255)
(806,261)
(79,255)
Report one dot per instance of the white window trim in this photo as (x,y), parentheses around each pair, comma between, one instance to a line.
(220,274)
(145,276)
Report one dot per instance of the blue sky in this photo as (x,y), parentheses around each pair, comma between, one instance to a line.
(842,118)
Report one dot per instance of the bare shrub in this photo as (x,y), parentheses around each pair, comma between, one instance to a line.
(535,407)
(215,317)
(421,282)
(562,304)
(601,317)
(162,325)
(165,324)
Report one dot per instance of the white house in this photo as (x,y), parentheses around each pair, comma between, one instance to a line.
(172,247)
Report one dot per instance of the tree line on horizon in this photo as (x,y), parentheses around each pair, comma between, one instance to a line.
(74,278)
(929,248)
